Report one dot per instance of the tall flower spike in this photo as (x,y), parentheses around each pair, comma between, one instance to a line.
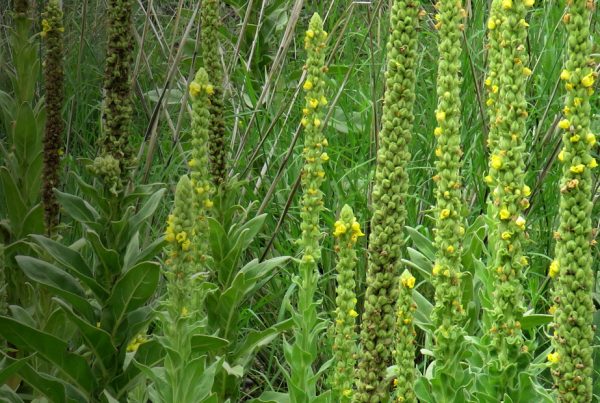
(181,239)
(448,314)
(571,363)
(21,7)
(307,323)
(389,213)
(506,179)
(116,107)
(200,92)
(52,33)
(211,21)
(347,231)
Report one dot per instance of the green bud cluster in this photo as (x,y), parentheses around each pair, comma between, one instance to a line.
(404,355)
(571,361)
(448,314)
(211,22)
(109,169)
(506,177)
(307,321)
(347,230)
(389,212)
(52,33)
(116,108)
(181,238)
(200,91)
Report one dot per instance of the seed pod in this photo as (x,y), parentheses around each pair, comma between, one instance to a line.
(389,212)
(209,48)
(347,231)
(116,106)
(52,34)
(571,361)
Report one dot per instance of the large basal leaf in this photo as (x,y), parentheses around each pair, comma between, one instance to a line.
(97,340)
(77,208)
(74,261)
(59,281)
(52,349)
(133,290)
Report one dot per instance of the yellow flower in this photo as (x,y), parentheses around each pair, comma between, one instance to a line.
(529,3)
(210,90)
(561,155)
(577,101)
(437,131)
(313,103)
(310,34)
(488,81)
(185,246)
(305,111)
(489,102)
(553,357)
(181,237)
(564,124)
(308,85)
(506,235)
(323,101)
(440,116)
(324,143)
(590,138)
(436,269)
(565,75)
(569,86)
(195,88)
(524,261)
(593,163)
(450,249)
(588,80)
(521,222)
(554,268)
(170,236)
(353,313)
(445,213)
(507,4)
(208,203)
(407,279)
(317,122)
(488,179)
(339,228)
(321,174)
(192,163)
(304,122)
(491,26)
(575,138)
(324,157)
(526,191)
(526,71)
(504,214)
(438,152)
(552,310)
(495,89)
(577,169)
(347,392)
(496,161)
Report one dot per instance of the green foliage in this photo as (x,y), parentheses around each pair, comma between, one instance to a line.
(101,285)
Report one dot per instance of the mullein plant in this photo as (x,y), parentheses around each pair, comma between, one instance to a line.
(302,354)
(377,340)
(116,154)
(209,47)
(507,77)
(347,231)
(571,361)
(52,34)
(448,314)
